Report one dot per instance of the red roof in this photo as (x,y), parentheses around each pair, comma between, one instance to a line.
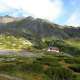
(54,48)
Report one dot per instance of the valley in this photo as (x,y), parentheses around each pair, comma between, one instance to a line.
(24,54)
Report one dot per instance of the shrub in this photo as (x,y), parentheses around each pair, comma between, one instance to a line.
(59,73)
(75,67)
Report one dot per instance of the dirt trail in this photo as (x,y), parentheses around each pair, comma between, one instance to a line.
(7,77)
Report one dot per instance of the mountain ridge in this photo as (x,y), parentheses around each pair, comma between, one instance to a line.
(36,27)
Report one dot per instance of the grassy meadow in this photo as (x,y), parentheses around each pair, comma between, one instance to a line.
(48,66)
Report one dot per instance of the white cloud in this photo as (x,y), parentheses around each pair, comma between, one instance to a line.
(2,7)
(74,19)
(48,9)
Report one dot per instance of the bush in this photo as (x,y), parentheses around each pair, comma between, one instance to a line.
(59,73)
(7,67)
(70,61)
(51,61)
(75,67)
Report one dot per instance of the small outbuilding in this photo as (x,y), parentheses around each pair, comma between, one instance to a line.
(53,49)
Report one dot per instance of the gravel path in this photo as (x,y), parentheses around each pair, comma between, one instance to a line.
(7,52)
(21,53)
(9,77)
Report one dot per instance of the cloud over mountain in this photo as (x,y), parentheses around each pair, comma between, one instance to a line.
(47,9)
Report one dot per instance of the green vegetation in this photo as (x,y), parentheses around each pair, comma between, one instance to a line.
(74,43)
(44,68)
(11,42)
(36,35)
(66,46)
(49,66)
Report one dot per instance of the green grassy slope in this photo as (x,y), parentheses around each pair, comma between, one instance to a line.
(74,43)
(48,67)
(11,42)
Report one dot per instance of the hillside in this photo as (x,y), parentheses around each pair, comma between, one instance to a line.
(7,19)
(23,50)
(38,32)
(32,28)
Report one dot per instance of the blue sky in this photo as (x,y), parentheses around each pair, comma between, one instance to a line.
(65,12)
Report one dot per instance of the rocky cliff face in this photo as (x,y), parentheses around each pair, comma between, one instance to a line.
(8,19)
